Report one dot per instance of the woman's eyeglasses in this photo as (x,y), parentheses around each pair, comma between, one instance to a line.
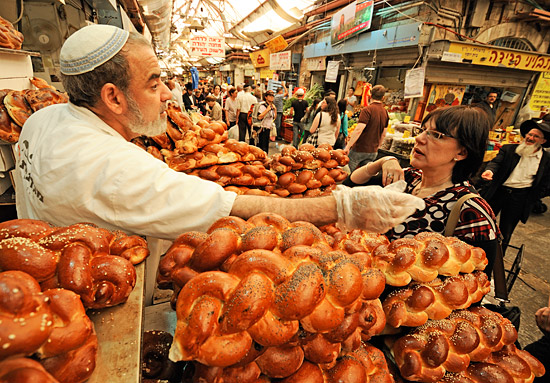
(418,130)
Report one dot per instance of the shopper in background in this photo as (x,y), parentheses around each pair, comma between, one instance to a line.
(489,105)
(326,125)
(449,149)
(369,132)
(298,109)
(342,138)
(200,100)
(244,102)
(258,93)
(231,108)
(518,176)
(267,113)
(213,109)
(282,94)
(119,186)
(217,94)
(351,99)
(310,115)
(188,98)
(177,96)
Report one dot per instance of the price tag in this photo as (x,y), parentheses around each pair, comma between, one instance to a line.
(407,119)
(406,134)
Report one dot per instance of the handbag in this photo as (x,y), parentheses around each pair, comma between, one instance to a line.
(512,313)
(313,137)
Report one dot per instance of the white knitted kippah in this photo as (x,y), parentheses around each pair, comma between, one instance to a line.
(91,46)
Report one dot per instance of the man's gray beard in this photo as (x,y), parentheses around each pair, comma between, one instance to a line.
(525,150)
(138,126)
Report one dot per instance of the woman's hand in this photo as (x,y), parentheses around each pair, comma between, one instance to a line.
(391,171)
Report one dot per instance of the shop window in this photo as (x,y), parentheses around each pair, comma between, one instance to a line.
(513,43)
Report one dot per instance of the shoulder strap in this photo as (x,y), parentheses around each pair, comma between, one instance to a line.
(452,221)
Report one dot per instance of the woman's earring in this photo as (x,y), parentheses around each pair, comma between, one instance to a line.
(455,159)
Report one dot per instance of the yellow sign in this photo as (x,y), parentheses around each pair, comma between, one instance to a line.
(260,58)
(266,73)
(491,56)
(277,44)
(540,98)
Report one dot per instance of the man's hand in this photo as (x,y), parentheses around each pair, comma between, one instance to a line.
(487,175)
(542,317)
(373,208)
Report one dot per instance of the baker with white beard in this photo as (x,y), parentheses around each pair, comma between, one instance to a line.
(518,175)
(76,162)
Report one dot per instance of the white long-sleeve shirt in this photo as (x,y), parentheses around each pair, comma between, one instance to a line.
(72,167)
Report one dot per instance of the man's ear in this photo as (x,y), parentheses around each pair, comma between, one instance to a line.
(113,98)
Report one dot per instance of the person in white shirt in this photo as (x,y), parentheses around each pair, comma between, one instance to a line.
(177,95)
(519,175)
(231,108)
(75,161)
(244,102)
(351,99)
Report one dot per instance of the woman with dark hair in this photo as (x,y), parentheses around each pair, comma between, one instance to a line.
(326,124)
(448,151)
(342,137)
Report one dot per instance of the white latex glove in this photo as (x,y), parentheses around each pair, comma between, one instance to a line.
(373,208)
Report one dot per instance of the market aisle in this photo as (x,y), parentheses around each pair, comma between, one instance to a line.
(532,288)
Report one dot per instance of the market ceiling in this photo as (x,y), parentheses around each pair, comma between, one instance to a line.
(244,24)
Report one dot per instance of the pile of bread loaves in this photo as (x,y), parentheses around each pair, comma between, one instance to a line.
(199,147)
(10,37)
(268,300)
(16,106)
(49,276)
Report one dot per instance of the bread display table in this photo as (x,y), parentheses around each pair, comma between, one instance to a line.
(119,333)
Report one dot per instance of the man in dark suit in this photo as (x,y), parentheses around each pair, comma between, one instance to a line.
(489,105)
(189,98)
(519,175)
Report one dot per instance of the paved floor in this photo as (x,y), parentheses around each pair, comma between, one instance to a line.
(532,289)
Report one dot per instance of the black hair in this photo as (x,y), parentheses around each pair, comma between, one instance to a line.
(470,126)
(342,105)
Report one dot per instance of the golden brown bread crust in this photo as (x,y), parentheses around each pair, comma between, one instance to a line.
(417,303)
(279,277)
(74,366)
(17,106)
(93,262)
(9,130)
(24,370)
(41,98)
(40,83)
(307,157)
(25,315)
(431,350)
(9,37)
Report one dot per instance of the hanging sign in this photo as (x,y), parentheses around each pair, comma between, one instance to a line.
(277,44)
(332,71)
(280,61)
(540,98)
(266,73)
(207,46)
(491,56)
(414,83)
(351,20)
(260,58)
(316,63)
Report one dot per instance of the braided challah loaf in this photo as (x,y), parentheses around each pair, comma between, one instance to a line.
(425,256)
(417,303)
(509,365)
(10,37)
(431,350)
(93,262)
(303,180)
(25,315)
(9,130)
(24,370)
(363,365)
(307,157)
(240,174)
(41,98)
(279,277)
(17,106)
